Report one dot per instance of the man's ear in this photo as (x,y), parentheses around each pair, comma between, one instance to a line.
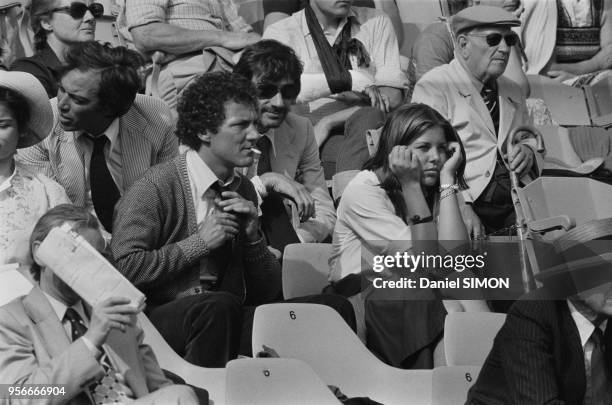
(205,137)
(462,46)
(44,23)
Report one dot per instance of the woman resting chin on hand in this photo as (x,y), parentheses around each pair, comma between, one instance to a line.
(405,197)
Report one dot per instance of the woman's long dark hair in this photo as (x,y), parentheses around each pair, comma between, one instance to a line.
(404,126)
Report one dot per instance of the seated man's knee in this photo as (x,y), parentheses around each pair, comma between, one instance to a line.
(219,307)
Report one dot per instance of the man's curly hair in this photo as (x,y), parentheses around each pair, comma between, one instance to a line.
(201,108)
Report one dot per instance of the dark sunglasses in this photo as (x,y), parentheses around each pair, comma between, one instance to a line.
(77,10)
(495,38)
(289,91)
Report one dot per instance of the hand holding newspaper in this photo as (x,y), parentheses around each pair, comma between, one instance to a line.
(84,269)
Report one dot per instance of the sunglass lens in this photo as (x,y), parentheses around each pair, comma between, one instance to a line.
(511,39)
(97,10)
(266,91)
(78,10)
(494,39)
(289,92)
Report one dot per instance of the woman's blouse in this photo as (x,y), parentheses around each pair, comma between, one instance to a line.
(24,198)
(367,225)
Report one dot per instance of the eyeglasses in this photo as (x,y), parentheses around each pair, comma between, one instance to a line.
(289,91)
(495,38)
(77,10)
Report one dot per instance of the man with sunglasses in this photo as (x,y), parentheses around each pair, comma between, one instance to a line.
(434,45)
(57,24)
(352,78)
(483,107)
(289,150)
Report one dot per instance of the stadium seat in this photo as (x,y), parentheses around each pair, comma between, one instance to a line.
(275,381)
(305,268)
(317,335)
(450,385)
(468,336)
(211,379)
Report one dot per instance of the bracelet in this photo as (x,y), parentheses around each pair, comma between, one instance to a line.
(415,220)
(448,186)
(447,193)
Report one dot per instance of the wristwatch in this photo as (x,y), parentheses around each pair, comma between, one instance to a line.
(415,220)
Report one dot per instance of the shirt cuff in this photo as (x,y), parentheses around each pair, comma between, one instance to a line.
(92,348)
(360,80)
(259,186)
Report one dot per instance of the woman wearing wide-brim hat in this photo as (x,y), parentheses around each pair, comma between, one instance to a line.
(26,118)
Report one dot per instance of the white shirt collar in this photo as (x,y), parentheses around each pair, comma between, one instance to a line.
(60,308)
(111,132)
(203,177)
(585,327)
(353,13)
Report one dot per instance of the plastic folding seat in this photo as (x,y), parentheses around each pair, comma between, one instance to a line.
(317,335)
(275,381)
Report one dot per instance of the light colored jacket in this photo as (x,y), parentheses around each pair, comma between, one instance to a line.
(146,133)
(450,90)
(296,155)
(35,349)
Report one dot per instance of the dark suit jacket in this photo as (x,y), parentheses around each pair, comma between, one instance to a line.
(35,349)
(537,358)
(146,133)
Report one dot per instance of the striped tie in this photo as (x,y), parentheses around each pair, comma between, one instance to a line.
(489,96)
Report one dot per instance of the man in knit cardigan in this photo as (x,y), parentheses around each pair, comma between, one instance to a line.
(187,233)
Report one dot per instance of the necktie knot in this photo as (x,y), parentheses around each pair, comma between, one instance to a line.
(597,337)
(99,142)
(76,323)
(489,96)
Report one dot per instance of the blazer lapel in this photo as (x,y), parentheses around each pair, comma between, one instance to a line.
(507,113)
(472,97)
(575,352)
(284,159)
(50,328)
(70,165)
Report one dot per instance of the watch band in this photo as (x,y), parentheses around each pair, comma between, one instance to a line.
(415,220)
